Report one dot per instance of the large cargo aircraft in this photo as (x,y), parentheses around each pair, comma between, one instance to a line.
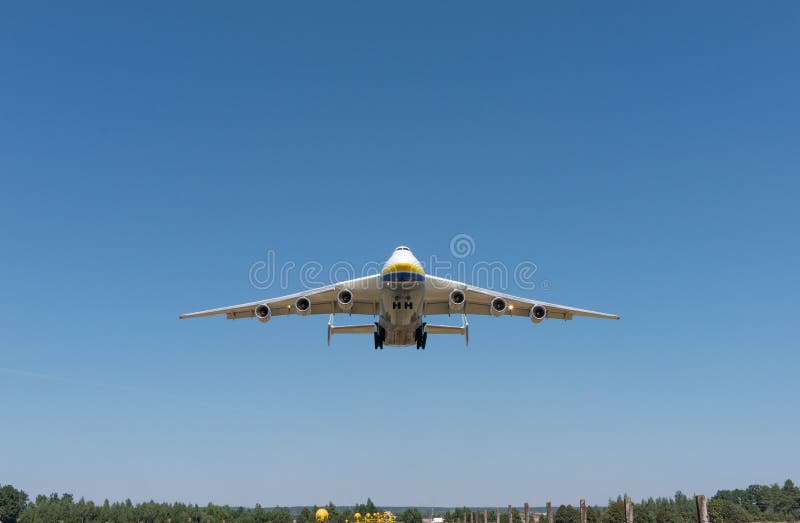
(401,297)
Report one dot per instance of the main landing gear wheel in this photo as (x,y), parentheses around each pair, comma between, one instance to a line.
(380,336)
(421,337)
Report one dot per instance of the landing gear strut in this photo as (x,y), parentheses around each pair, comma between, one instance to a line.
(421,337)
(380,336)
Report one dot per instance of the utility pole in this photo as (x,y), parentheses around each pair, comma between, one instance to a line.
(628,510)
(702,508)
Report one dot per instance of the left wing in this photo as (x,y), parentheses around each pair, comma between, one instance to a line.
(480,301)
(322,300)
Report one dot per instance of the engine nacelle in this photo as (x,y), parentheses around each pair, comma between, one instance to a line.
(345,299)
(457,300)
(263,312)
(302,306)
(538,313)
(498,306)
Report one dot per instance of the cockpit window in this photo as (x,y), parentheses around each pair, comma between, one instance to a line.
(402,248)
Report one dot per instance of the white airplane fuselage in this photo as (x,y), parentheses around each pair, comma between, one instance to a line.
(402,299)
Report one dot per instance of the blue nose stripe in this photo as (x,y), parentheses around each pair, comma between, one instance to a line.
(401,276)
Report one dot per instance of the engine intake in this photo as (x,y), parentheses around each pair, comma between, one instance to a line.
(263,312)
(457,300)
(302,305)
(498,307)
(538,313)
(345,299)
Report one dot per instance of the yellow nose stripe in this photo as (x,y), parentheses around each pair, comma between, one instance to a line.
(402,267)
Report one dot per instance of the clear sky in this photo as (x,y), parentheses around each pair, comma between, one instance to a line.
(644,156)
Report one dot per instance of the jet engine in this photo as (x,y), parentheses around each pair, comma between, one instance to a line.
(345,299)
(538,313)
(498,306)
(263,312)
(457,299)
(302,305)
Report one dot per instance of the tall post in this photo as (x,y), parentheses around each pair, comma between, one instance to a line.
(486,515)
(583,511)
(498,514)
(510,515)
(549,512)
(525,519)
(628,510)
(702,508)
(471,516)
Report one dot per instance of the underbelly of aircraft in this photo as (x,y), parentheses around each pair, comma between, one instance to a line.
(399,338)
(401,312)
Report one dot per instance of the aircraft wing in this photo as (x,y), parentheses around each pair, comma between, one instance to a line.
(478,301)
(323,300)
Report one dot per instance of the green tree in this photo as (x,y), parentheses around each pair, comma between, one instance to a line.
(411,515)
(642,515)
(367,508)
(305,516)
(12,503)
(725,511)
(460,513)
(280,515)
(567,514)
(259,514)
(614,513)
(334,516)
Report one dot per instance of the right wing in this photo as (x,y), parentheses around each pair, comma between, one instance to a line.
(323,300)
(478,300)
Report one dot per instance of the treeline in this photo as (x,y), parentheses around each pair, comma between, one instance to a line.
(755,503)
(15,508)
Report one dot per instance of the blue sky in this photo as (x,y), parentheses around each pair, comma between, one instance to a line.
(643,156)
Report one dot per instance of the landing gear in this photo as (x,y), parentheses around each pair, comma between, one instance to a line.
(421,337)
(380,336)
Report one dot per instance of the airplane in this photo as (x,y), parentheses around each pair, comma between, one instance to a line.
(401,297)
